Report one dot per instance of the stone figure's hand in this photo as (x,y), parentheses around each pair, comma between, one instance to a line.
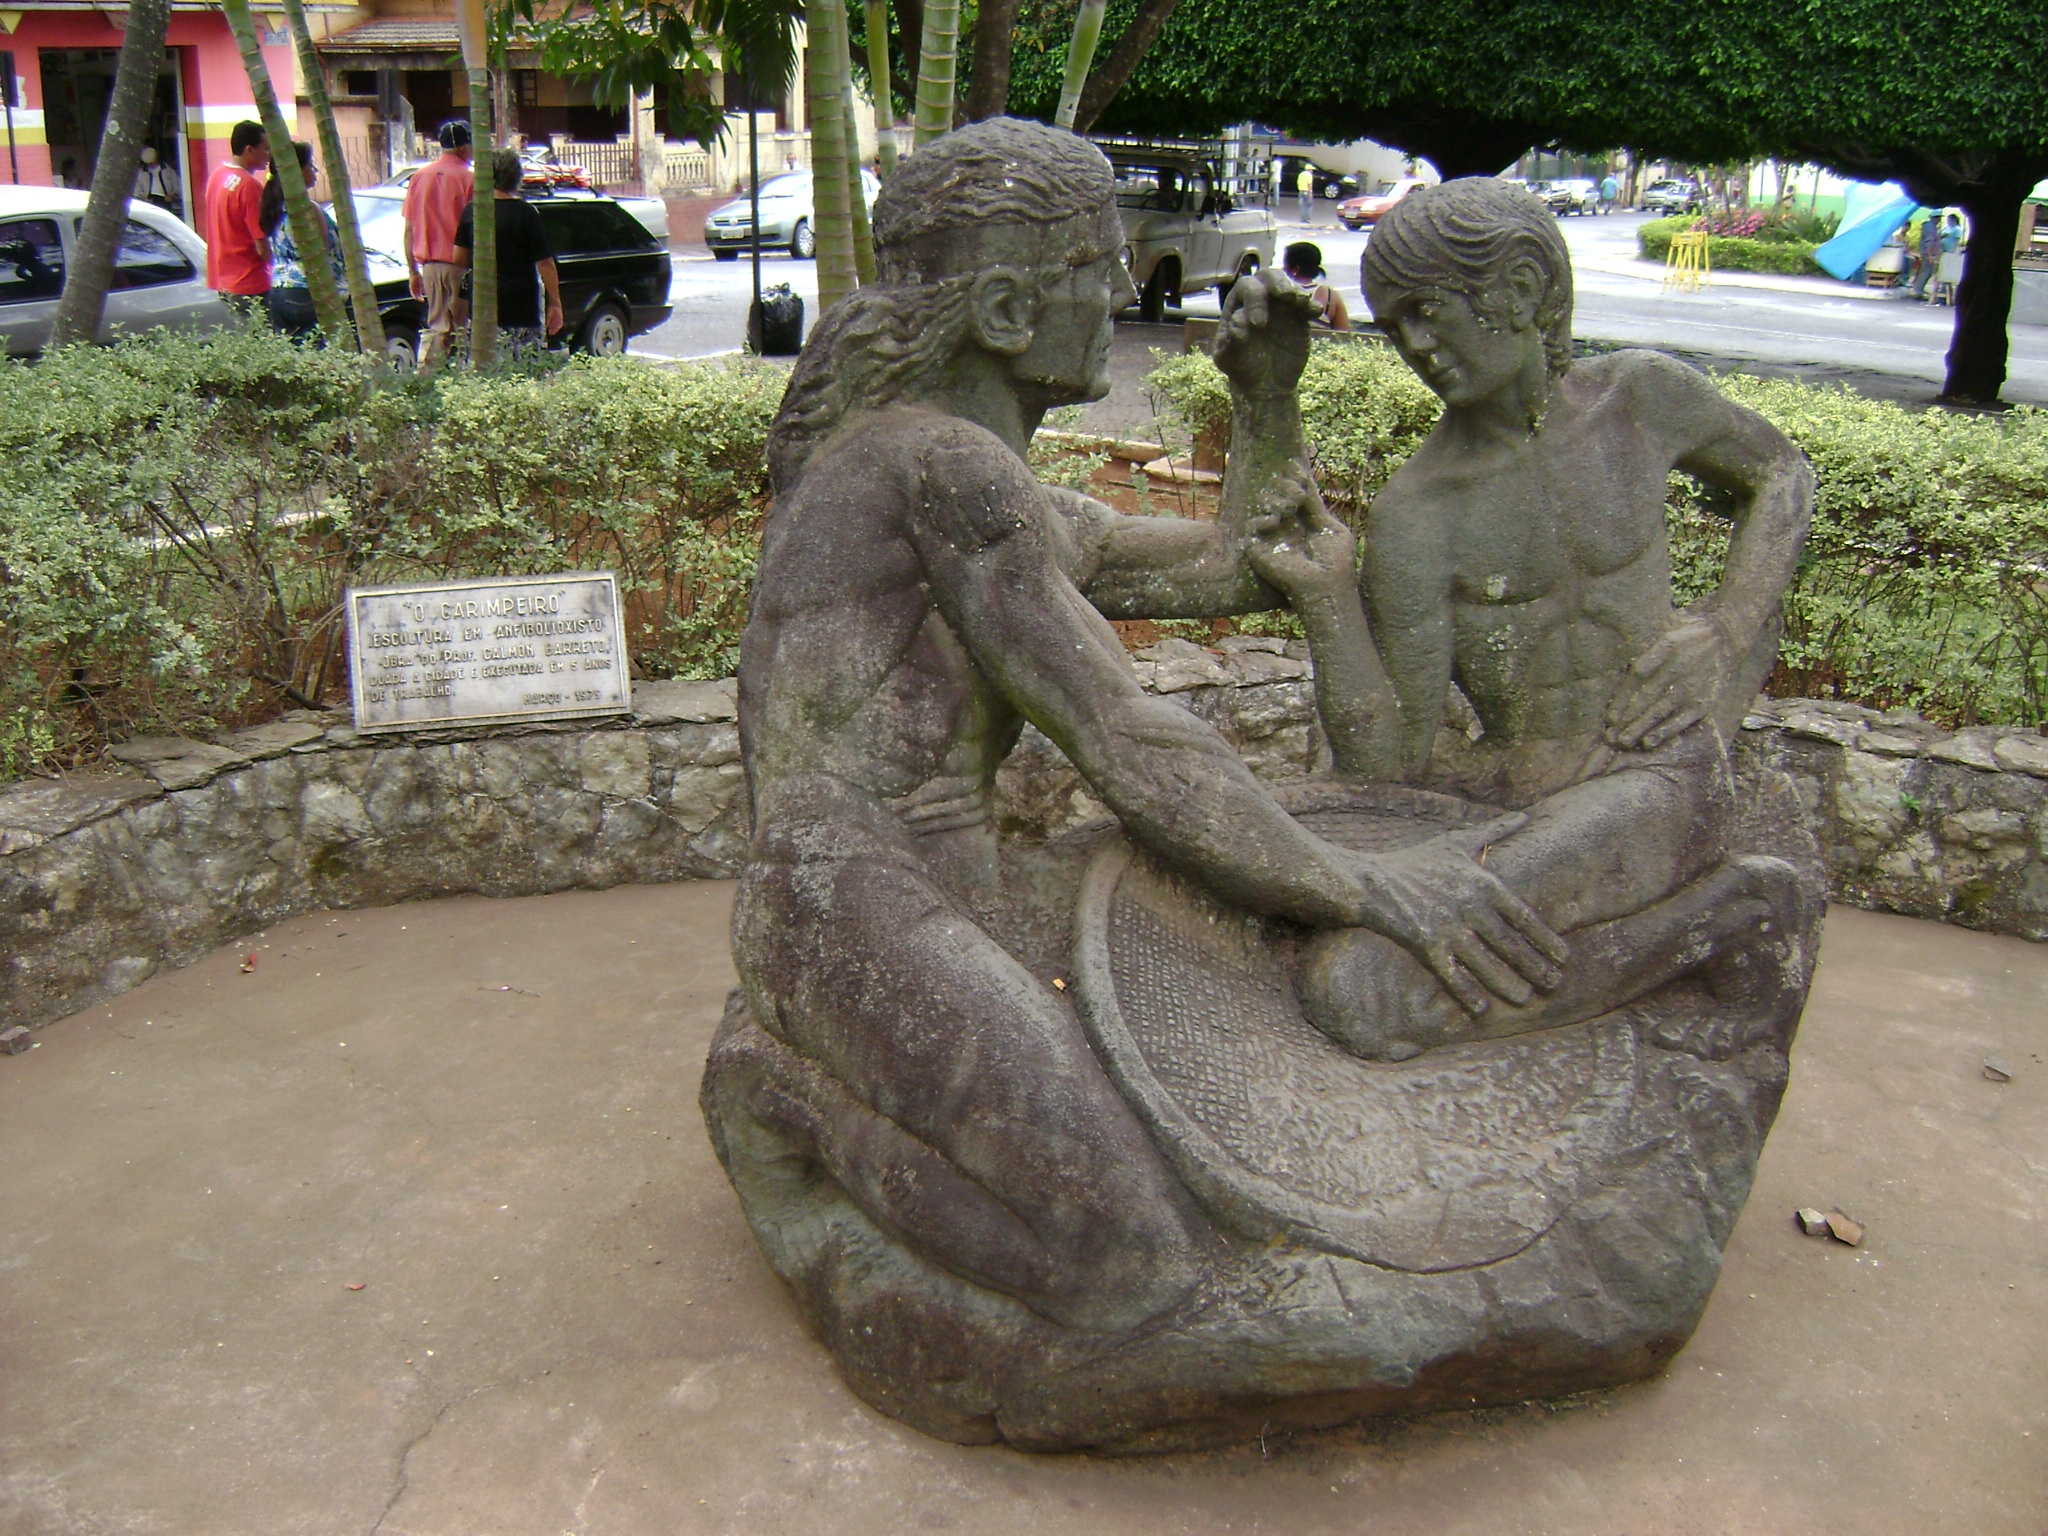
(1670,687)
(1296,542)
(1476,935)
(1262,344)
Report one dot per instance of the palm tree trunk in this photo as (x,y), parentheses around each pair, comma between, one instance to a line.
(309,230)
(483,251)
(362,294)
(935,70)
(878,81)
(856,195)
(1080,55)
(837,274)
(113,178)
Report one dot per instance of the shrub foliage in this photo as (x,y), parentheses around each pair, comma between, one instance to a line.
(180,516)
(1762,248)
(1925,580)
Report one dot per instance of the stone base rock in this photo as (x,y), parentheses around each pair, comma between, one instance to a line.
(1599,1221)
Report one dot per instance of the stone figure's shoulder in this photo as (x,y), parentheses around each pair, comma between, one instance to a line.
(973,490)
(1641,382)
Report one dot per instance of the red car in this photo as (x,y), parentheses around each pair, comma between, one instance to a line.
(544,171)
(1360,212)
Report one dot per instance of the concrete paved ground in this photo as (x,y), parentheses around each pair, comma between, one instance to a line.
(484,1115)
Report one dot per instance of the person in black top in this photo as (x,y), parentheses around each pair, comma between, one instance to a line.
(526,264)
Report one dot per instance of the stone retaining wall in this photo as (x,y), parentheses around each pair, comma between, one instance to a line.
(183,846)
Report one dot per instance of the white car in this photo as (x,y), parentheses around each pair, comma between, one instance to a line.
(159,269)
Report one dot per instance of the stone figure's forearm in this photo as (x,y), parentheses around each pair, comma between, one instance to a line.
(1159,567)
(1183,793)
(1360,711)
(1265,442)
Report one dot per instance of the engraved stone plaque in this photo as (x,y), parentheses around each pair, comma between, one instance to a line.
(489,651)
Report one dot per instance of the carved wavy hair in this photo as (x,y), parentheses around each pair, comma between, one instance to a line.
(897,335)
(1461,236)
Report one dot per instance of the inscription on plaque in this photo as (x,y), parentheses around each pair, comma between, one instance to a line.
(481,652)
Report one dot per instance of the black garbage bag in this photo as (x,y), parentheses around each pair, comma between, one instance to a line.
(775,323)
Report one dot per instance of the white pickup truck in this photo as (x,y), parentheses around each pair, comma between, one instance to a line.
(1182,233)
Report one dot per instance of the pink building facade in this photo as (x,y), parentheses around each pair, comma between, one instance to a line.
(63,60)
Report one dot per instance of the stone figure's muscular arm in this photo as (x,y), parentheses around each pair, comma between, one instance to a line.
(1155,567)
(985,540)
(1714,660)
(984,536)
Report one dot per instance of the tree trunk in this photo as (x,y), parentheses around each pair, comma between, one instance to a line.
(878,81)
(1130,50)
(988,89)
(309,229)
(910,24)
(935,69)
(1976,355)
(483,252)
(91,270)
(837,274)
(856,194)
(355,264)
(1080,57)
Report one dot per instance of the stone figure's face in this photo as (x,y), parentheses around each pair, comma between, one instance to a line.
(1068,357)
(1465,352)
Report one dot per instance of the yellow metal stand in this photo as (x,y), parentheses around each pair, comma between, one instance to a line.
(1686,267)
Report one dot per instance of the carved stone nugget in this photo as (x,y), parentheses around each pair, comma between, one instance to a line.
(1437,1080)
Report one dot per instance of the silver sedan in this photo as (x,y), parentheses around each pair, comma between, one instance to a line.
(787,222)
(159,270)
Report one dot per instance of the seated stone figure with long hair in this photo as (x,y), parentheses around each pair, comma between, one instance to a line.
(921,596)
(1521,553)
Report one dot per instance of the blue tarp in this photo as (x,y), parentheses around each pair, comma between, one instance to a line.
(1869,215)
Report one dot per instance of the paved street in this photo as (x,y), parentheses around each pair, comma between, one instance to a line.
(1776,320)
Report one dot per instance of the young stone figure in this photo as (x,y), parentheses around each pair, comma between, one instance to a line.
(1521,553)
(921,596)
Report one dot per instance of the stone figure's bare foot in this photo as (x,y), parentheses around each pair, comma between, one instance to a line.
(1731,927)
(1756,977)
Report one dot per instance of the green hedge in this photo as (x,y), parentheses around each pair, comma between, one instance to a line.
(1725,254)
(179,517)
(1925,580)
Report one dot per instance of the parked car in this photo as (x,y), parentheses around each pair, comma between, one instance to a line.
(614,273)
(1577,195)
(1182,233)
(1364,212)
(544,178)
(1328,183)
(159,269)
(1674,197)
(545,169)
(787,220)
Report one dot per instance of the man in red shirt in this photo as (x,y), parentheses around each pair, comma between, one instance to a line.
(237,254)
(433,207)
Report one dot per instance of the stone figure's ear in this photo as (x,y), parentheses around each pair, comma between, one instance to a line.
(1004,303)
(1524,284)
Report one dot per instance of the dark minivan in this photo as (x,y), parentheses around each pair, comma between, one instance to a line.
(614,274)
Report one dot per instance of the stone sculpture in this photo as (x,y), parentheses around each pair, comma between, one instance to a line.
(1258,1108)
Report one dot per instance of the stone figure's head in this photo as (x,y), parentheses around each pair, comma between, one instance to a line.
(1002,237)
(1466,279)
